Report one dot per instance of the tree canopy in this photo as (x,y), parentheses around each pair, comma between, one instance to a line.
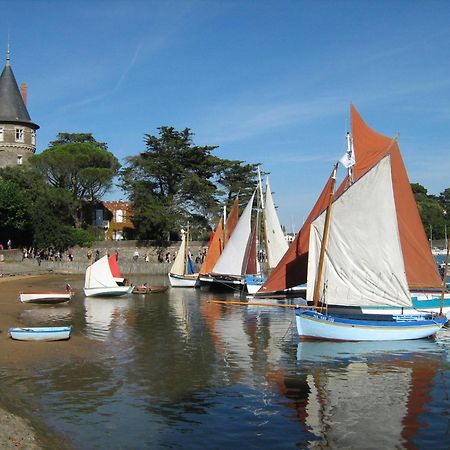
(174,181)
(433,211)
(80,165)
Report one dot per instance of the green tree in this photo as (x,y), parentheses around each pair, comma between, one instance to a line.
(35,213)
(431,212)
(80,165)
(14,212)
(174,181)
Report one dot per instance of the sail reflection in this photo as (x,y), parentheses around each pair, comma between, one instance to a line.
(103,315)
(373,393)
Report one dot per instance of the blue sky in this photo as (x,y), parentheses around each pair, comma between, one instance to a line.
(267,81)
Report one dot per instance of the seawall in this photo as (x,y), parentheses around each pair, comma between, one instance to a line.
(11,261)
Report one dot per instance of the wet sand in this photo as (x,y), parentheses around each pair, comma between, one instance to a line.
(18,428)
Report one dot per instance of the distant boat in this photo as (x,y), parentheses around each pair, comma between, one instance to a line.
(50,297)
(231,267)
(182,273)
(218,239)
(144,289)
(355,259)
(272,243)
(99,281)
(40,333)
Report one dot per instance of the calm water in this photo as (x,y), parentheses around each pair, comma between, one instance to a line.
(175,371)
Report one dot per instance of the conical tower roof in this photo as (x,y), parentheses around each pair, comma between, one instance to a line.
(12,106)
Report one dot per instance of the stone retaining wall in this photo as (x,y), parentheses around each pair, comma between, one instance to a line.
(126,250)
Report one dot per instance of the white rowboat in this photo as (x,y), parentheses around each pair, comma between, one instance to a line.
(40,333)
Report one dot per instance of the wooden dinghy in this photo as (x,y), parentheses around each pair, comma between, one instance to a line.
(40,333)
(144,289)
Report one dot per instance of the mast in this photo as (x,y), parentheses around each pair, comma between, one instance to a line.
(185,249)
(325,238)
(444,281)
(263,221)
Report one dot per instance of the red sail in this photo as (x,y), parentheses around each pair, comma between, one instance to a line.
(293,266)
(250,264)
(370,147)
(114,266)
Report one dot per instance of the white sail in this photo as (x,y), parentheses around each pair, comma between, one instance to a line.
(275,240)
(232,257)
(178,264)
(99,275)
(363,262)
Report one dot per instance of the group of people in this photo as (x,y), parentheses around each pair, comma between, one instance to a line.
(46,254)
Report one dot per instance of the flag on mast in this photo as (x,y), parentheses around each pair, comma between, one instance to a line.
(348,159)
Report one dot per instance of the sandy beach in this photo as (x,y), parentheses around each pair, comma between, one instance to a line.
(18,427)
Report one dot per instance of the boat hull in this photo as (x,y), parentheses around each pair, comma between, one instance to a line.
(314,325)
(253,283)
(45,297)
(191,281)
(222,282)
(113,291)
(40,333)
(149,289)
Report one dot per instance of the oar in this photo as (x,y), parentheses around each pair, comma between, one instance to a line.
(224,302)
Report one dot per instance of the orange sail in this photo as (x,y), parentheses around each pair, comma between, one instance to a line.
(214,249)
(370,147)
(219,239)
(232,219)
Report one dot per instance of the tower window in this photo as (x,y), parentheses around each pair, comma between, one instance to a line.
(19,160)
(33,137)
(1,134)
(19,134)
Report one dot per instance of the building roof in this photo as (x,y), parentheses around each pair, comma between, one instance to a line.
(12,106)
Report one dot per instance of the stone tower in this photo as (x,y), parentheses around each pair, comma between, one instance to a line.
(17,131)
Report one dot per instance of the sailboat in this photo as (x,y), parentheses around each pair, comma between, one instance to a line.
(219,237)
(99,281)
(182,273)
(273,242)
(422,274)
(356,258)
(231,266)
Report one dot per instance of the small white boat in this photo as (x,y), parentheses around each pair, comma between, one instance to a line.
(182,273)
(99,281)
(40,333)
(50,297)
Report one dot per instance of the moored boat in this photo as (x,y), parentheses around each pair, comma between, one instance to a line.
(99,281)
(149,289)
(40,333)
(356,258)
(182,273)
(46,297)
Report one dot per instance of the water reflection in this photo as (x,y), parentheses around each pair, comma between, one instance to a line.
(175,370)
(105,315)
(373,393)
(45,315)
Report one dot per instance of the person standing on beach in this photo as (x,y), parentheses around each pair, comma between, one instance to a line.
(136,255)
(9,244)
(97,255)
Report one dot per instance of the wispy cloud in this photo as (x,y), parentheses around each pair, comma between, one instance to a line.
(243,120)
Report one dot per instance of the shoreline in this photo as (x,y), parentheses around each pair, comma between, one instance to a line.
(19,426)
